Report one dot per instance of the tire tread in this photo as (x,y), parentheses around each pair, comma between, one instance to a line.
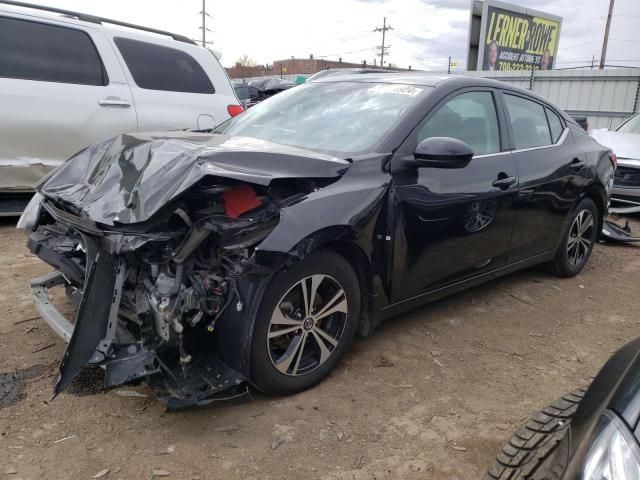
(528,449)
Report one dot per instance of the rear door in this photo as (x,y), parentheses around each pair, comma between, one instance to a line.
(552,170)
(454,223)
(61,89)
(175,87)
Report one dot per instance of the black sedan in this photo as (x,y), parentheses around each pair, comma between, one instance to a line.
(588,434)
(252,255)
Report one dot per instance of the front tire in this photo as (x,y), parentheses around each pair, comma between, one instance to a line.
(305,324)
(578,240)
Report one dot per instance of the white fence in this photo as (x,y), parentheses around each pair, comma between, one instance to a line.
(605,97)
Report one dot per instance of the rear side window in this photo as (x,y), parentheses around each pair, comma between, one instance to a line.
(155,67)
(48,53)
(470,117)
(528,122)
(554,124)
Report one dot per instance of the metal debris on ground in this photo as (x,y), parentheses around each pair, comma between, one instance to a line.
(612,232)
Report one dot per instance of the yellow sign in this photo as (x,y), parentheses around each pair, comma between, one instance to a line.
(519,41)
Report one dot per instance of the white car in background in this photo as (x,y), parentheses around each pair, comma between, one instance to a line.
(625,142)
(67,80)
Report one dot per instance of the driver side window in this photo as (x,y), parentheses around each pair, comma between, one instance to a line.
(469,117)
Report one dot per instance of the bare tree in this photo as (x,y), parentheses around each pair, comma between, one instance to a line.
(246,61)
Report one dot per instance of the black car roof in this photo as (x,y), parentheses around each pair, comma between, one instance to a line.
(418,78)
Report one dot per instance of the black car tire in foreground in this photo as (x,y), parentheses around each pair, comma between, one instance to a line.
(589,434)
(523,457)
(321,337)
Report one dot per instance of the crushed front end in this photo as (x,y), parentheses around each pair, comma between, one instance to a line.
(152,295)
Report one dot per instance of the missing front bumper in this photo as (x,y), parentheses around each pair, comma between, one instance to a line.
(208,380)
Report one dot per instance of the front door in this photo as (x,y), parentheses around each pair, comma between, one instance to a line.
(453,224)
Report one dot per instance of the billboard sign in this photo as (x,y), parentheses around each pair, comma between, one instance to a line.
(517,38)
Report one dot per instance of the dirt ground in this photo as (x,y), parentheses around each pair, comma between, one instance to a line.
(433,394)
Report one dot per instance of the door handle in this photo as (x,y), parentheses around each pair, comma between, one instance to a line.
(577,163)
(114,102)
(503,182)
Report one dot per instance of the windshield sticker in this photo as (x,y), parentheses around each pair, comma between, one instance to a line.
(410,90)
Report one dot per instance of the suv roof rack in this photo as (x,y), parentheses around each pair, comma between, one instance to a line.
(99,20)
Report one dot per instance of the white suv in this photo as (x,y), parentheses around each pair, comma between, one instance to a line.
(68,81)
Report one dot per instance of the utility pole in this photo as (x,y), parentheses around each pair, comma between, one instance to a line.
(203,27)
(204,23)
(606,35)
(449,66)
(384,29)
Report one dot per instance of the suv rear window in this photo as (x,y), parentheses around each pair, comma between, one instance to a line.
(48,53)
(155,67)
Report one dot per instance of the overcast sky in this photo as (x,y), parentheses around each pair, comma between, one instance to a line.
(425,32)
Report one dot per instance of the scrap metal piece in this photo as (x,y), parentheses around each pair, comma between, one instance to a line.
(612,232)
(129,362)
(58,323)
(95,317)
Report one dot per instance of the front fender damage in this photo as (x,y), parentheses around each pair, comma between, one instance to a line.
(166,244)
(174,303)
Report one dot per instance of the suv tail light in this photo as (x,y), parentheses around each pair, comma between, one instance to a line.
(235,110)
(614,160)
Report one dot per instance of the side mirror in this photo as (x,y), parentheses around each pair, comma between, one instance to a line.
(443,152)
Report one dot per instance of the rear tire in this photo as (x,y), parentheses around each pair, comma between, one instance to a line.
(578,240)
(524,456)
(305,324)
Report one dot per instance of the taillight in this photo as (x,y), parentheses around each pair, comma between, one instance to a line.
(235,110)
(614,160)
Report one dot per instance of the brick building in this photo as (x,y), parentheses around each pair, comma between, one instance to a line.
(293,66)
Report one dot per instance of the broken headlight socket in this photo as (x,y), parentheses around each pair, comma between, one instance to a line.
(29,218)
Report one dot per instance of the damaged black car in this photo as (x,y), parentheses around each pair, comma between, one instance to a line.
(251,255)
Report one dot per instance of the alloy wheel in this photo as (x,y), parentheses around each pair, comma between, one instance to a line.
(580,237)
(307,324)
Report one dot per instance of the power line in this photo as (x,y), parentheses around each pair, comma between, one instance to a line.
(410,36)
(343,53)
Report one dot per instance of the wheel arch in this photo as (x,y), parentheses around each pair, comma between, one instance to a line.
(598,194)
(358,260)
(348,242)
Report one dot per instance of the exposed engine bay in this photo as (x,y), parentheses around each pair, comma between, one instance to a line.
(150,295)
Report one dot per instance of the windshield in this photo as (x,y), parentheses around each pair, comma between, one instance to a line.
(631,126)
(341,117)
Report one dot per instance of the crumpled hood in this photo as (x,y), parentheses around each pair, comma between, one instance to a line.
(130,177)
(624,145)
